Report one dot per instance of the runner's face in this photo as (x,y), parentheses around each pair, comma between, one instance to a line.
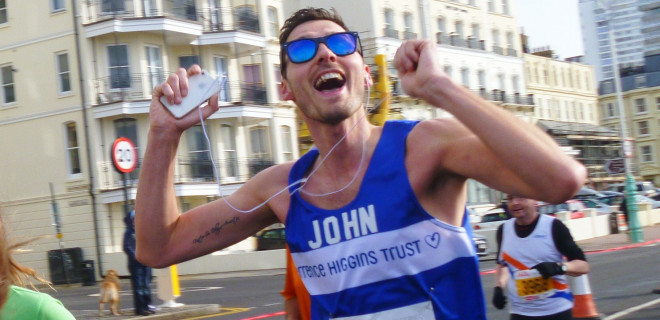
(328,88)
(521,207)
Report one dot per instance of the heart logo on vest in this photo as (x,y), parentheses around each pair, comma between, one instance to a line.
(433,240)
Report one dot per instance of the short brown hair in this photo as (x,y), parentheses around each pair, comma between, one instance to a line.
(299,17)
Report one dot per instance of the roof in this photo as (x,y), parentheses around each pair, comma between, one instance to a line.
(562,127)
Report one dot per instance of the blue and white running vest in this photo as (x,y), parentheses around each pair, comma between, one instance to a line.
(530,294)
(383,256)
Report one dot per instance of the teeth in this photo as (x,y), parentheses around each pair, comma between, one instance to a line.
(328,76)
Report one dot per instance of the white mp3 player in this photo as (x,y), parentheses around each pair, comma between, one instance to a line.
(200,88)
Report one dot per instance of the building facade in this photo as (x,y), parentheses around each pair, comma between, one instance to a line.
(640,92)
(76,79)
(566,100)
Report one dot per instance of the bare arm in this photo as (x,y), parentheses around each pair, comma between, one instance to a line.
(501,276)
(165,237)
(485,142)
(577,267)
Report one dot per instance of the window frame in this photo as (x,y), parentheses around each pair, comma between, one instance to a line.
(57,6)
(5,86)
(72,150)
(4,12)
(63,75)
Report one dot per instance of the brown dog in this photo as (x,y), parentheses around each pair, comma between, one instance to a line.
(110,293)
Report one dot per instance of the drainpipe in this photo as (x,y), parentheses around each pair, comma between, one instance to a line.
(90,169)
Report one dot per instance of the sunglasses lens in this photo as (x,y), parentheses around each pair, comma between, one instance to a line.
(342,43)
(301,50)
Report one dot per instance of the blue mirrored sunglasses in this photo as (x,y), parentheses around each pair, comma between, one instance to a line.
(303,50)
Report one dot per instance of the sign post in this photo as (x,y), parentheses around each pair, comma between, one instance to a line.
(124,157)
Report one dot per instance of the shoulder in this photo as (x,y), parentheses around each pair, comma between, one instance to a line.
(35,305)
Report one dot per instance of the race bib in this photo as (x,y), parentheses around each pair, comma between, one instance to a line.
(532,286)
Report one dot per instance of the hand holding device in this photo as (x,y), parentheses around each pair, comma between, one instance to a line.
(200,88)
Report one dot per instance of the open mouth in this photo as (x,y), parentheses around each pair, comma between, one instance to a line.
(329,81)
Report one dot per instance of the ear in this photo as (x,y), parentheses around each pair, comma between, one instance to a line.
(367,77)
(287,94)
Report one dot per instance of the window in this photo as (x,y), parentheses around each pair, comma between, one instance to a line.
(476,31)
(72,149)
(647,155)
(220,64)
(215,14)
(154,66)
(278,80)
(640,81)
(610,110)
(63,73)
(407,22)
(112,6)
(3,11)
(118,67)
(442,25)
(642,128)
(657,103)
(505,6)
(230,164)
(491,5)
(447,69)
(56,5)
(198,160)
(247,19)
(465,77)
(259,142)
(516,83)
(640,105)
(482,79)
(287,148)
(7,76)
(273,22)
(389,24)
(187,61)
(458,25)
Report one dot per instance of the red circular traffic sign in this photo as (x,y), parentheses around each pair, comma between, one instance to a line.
(124,155)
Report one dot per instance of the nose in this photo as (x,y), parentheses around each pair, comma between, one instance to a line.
(325,54)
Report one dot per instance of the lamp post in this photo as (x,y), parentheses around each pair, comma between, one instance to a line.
(636,234)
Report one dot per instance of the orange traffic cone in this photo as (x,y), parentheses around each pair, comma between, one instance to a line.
(584,307)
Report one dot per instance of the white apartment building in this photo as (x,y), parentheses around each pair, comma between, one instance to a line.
(566,100)
(76,79)
(625,18)
(477,41)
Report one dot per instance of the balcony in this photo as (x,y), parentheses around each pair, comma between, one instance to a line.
(457,40)
(101,10)
(501,96)
(124,87)
(511,52)
(189,170)
(391,33)
(441,38)
(474,43)
(407,35)
(499,50)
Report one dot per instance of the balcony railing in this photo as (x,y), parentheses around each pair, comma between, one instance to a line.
(139,86)
(457,40)
(391,33)
(407,35)
(474,43)
(190,170)
(441,38)
(511,52)
(499,50)
(100,10)
(501,96)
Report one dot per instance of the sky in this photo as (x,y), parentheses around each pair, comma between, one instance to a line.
(554,23)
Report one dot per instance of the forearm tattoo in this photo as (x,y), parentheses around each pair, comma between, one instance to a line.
(215,230)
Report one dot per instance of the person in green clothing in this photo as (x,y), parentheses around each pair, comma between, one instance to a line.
(17,302)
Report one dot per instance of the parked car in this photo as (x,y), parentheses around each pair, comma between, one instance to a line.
(492,219)
(480,244)
(645,188)
(616,199)
(575,207)
(587,193)
(601,208)
(271,239)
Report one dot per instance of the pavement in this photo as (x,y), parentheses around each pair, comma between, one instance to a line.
(618,241)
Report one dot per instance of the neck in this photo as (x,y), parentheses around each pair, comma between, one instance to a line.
(527,219)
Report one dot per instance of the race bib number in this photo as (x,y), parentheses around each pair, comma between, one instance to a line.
(532,286)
